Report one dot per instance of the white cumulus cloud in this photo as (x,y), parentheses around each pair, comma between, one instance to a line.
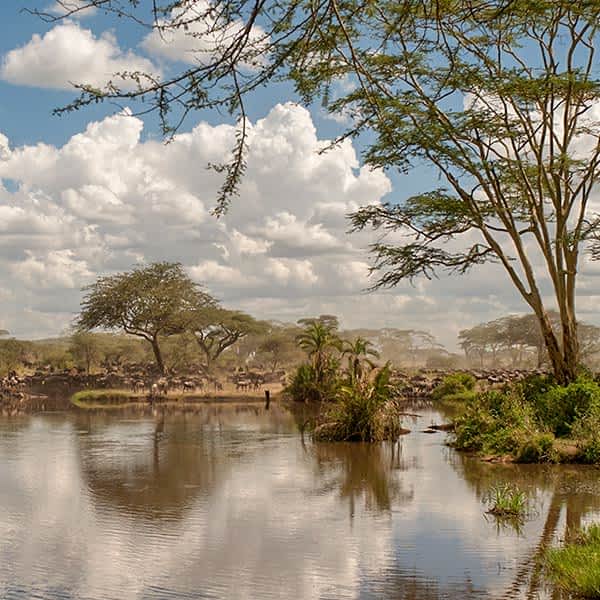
(193,35)
(69,54)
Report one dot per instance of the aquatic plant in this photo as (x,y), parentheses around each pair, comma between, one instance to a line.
(364,411)
(575,568)
(506,500)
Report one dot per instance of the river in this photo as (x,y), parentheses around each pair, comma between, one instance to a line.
(232,502)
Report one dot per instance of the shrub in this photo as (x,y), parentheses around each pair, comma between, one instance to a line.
(454,386)
(497,422)
(305,387)
(363,411)
(558,408)
(522,420)
(539,448)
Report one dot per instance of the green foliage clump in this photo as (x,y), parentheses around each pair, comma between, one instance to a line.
(527,420)
(586,431)
(308,386)
(363,411)
(560,408)
(506,500)
(589,451)
(497,422)
(539,448)
(575,568)
(455,387)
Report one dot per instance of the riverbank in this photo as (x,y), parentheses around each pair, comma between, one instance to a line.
(533,421)
(121,398)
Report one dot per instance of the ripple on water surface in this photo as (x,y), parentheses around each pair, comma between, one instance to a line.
(232,503)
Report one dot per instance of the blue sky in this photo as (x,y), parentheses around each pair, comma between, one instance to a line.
(90,193)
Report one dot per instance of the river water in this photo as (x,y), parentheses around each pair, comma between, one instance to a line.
(231,503)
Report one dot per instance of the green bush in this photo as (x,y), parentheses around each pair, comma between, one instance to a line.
(538,448)
(305,387)
(454,386)
(363,411)
(497,422)
(525,419)
(558,408)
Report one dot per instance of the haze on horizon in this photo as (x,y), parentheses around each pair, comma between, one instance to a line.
(97,192)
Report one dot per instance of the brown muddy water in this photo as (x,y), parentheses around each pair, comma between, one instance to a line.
(232,503)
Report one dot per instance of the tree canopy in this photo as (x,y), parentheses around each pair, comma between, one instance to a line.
(217,329)
(498,97)
(148,302)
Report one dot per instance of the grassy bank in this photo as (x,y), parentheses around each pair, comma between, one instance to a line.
(115,398)
(104,398)
(575,568)
(534,420)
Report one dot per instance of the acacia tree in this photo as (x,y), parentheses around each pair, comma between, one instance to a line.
(217,329)
(518,333)
(481,339)
(86,349)
(279,346)
(497,96)
(147,302)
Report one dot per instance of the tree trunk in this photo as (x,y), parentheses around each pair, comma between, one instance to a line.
(205,348)
(564,360)
(158,356)
(540,355)
(570,342)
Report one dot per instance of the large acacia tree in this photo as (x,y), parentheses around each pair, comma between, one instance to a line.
(148,302)
(498,97)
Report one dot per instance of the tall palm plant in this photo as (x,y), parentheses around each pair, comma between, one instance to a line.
(359,353)
(318,340)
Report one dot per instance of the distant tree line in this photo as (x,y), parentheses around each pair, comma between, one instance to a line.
(517,341)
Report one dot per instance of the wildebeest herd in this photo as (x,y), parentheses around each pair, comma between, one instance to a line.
(16,391)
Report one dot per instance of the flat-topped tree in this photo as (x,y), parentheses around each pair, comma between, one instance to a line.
(217,329)
(279,346)
(148,302)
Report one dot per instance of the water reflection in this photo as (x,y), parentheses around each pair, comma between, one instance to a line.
(231,503)
(156,468)
(362,471)
(566,496)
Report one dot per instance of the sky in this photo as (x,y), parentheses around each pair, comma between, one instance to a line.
(97,191)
